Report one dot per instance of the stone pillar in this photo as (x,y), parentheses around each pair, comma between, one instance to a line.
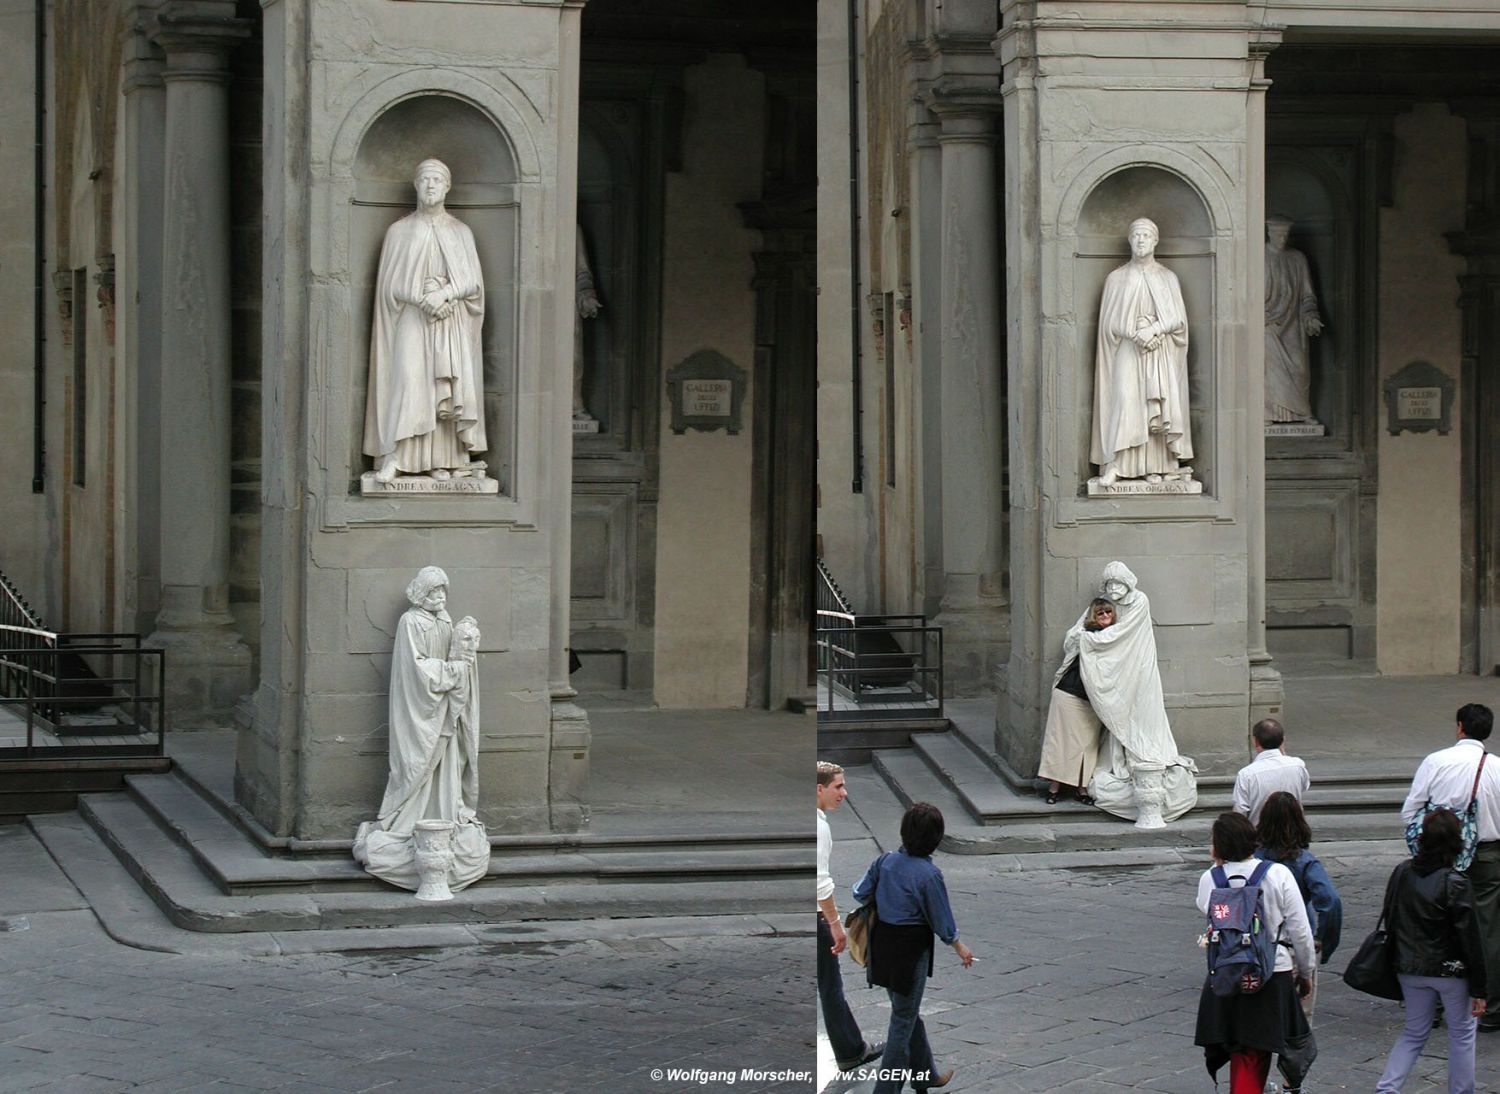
(973,613)
(1267,695)
(925,160)
(208,664)
(144,122)
(1160,120)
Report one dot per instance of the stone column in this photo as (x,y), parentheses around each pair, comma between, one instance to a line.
(973,612)
(1267,695)
(208,664)
(144,122)
(925,160)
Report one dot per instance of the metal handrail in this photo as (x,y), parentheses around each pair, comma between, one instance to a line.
(880,666)
(36,678)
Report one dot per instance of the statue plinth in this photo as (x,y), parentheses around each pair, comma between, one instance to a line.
(585,425)
(1310,428)
(1141,486)
(369,485)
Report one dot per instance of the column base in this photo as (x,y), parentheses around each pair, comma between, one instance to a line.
(568,767)
(1267,692)
(208,671)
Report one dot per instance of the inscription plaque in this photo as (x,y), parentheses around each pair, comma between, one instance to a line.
(1419,398)
(707,392)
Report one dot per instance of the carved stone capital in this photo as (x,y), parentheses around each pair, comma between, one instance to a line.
(197,36)
(966,113)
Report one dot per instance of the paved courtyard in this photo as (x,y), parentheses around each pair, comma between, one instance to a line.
(1088,980)
(81,1014)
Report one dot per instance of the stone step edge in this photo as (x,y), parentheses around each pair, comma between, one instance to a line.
(329,873)
(99,876)
(541,843)
(168,875)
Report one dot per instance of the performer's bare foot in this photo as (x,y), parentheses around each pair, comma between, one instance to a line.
(386,471)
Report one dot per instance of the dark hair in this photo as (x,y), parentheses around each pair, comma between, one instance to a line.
(1477,720)
(922,829)
(1268,733)
(1441,840)
(1283,829)
(1234,837)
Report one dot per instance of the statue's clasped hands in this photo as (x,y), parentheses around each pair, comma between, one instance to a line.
(438,304)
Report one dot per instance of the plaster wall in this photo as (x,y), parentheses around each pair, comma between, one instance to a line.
(1417,523)
(703,529)
(842,515)
(23,515)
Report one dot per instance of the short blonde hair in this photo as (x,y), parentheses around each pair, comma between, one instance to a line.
(826,771)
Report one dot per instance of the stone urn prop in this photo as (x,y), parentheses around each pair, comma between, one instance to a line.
(1150,795)
(434,854)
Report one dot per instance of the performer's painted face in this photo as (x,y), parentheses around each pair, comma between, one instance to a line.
(1142,242)
(432,188)
(1115,589)
(436,600)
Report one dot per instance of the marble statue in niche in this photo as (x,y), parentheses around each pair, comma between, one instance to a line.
(586,299)
(1291,319)
(424,408)
(427,835)
(1139,774)
(1142,439)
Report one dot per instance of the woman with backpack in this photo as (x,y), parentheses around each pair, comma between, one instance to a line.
(1430,911)
(1249,1024)
(1284,836)
(911,905)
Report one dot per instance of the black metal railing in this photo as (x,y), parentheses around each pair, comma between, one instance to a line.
(875,666)
(75,694)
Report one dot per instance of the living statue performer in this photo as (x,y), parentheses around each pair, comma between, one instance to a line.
(586,299)
(1141,427)
(434,742)
(1139,774)
(1291,319)
(424,412)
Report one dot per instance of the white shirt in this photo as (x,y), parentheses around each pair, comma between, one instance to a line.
(1286,914)
(1270,771)
(1447,776)
(825,854)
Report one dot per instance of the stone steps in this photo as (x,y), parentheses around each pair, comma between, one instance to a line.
(207,873)
(987,814)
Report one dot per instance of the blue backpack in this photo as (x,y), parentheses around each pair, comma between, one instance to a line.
(1241,951)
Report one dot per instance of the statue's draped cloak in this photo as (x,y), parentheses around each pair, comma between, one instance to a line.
(1132,388)
(420,366)
(1290,300)
(1120,673)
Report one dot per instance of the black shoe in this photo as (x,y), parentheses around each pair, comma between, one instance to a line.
(940,1081)
(1488,1024)
(1052,797)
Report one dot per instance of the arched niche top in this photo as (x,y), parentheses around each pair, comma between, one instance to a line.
(501,105)
(1144,191)
(440,127)
(1198,174)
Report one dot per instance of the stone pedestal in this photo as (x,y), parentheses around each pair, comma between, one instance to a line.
(208,663)
(1144,125)
(358,92)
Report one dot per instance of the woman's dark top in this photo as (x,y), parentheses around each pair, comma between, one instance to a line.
(1072,681)
(1432,916)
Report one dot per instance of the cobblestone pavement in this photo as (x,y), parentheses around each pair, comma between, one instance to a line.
(81,1014)
(1088,981)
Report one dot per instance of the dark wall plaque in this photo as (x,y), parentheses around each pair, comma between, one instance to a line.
(1419,398)
(707,392)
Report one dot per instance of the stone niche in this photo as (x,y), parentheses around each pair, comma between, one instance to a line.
(485,197)
(1186,248)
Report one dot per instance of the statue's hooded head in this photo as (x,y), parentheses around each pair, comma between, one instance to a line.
(428,580)
(1118,583)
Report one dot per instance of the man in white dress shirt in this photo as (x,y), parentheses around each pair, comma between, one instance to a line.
(1446,777)
(850,1048)
(1271,770)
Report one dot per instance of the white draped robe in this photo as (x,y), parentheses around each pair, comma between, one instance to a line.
(1290,302)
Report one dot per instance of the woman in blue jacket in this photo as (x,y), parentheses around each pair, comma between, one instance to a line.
(911,906)
(1283,836)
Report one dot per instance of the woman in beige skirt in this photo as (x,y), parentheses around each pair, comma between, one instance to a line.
(1070,745)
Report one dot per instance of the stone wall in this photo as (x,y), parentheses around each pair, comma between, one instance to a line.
(23,522)
(703,530)
(1419,550)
